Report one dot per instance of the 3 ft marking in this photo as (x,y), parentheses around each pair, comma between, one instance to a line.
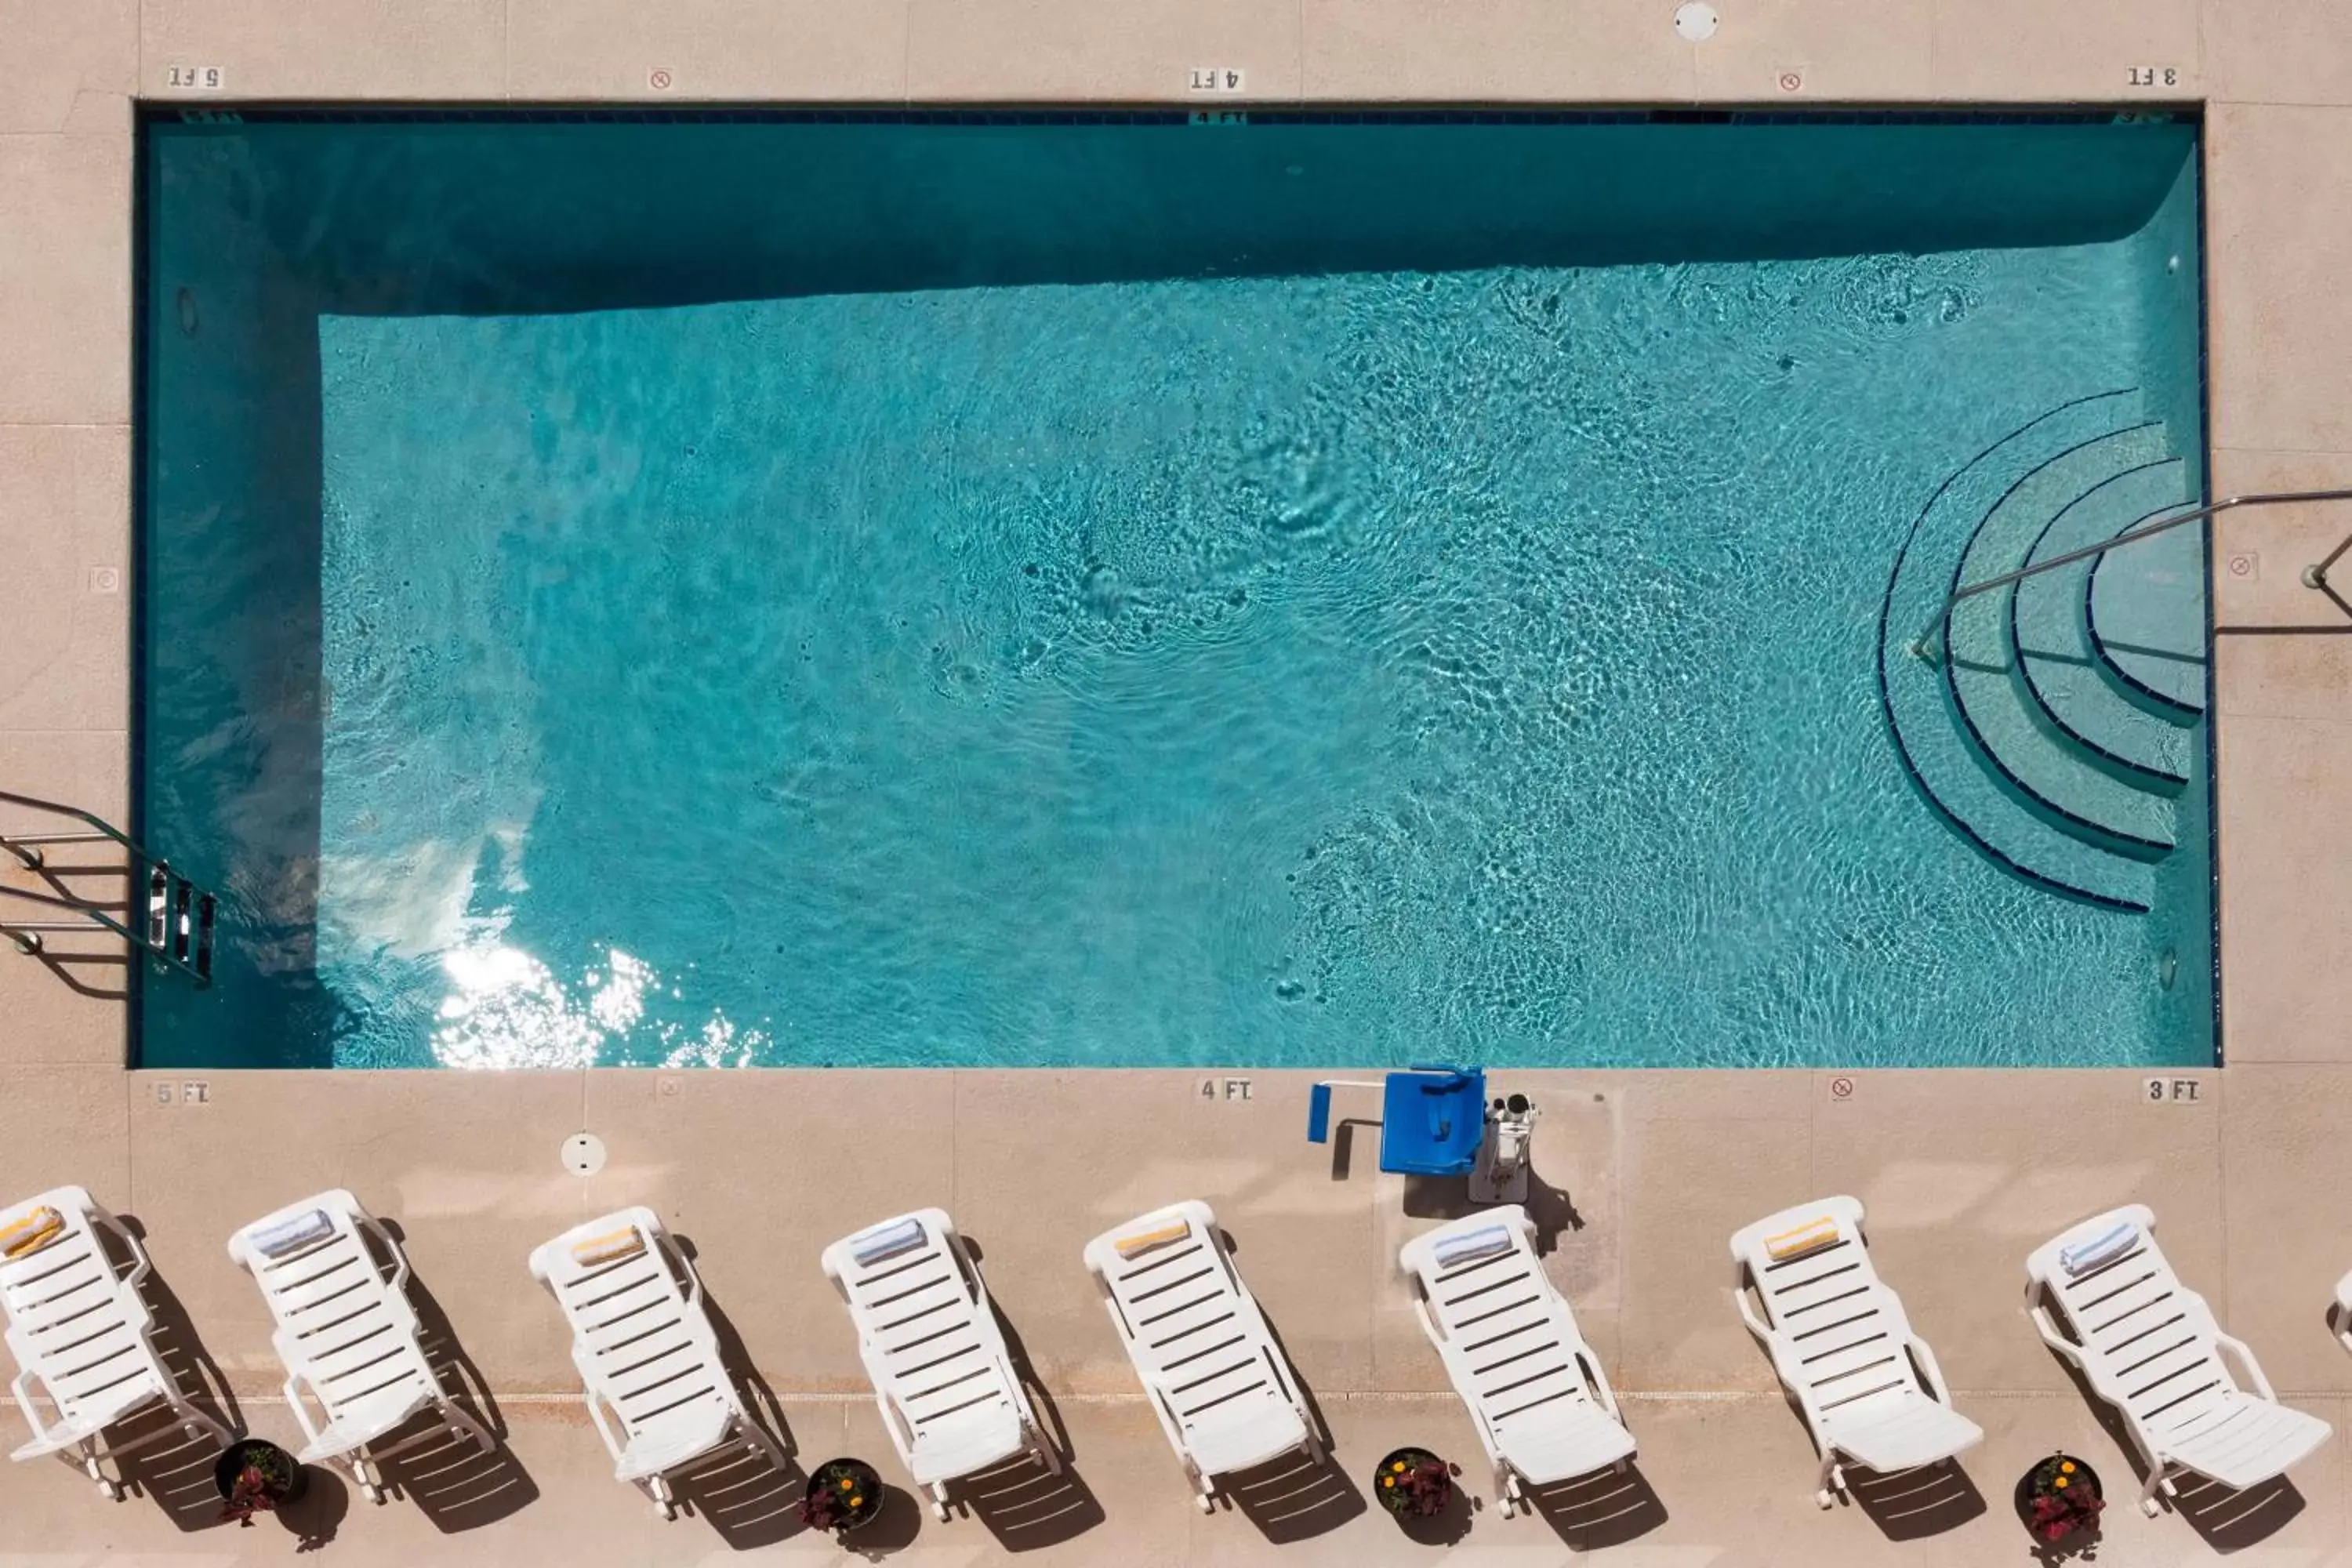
(194,79)
(1228,1088)
(2174,1091)
(2154,76)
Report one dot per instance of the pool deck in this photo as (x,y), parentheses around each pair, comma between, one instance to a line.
(1647,1174)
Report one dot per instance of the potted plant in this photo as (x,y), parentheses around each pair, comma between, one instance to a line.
(255,1476)
(842,1494)
(2060,1497)
(1413,1483)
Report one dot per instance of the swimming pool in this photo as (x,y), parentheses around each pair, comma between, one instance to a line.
(1106,589)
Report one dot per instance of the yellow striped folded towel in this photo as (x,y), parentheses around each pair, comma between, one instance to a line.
(1810,1237)
(1137,1245)
(610,1248)
(31,1231)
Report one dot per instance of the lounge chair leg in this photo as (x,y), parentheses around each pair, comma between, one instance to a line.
(1832,1480)
(2148,1493)
(939,1503)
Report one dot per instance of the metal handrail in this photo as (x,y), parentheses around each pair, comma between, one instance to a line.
(25,846)
(106,829)
(2314,576)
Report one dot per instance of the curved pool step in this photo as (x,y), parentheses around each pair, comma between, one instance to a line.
(2031,757)
(2145,607)
(2049,624)
(1943,759)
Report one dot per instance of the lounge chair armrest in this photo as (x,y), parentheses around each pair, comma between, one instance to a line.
(1421,1310)
(1597,1382)
(22,1388)
(2048,1329)
(595,1403)
(2237,1348)
(398,1254)
(295,1383)
(140,1266)
(1931,1372)
(1756,1324)
(686,1266)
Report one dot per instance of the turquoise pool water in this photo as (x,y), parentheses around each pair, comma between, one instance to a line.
(1095,593)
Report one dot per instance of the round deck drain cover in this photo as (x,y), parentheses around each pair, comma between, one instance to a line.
(1697,21)
(583,1153)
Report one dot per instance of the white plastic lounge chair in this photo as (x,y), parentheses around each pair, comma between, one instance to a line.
(347,1334)
(1869,1387)
(646,1352)
(2148,1345)
(82,1335)
(1534,1387)
(931,1342)
(1224,1394)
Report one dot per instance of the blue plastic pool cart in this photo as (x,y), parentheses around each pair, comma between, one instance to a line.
(1433,1118)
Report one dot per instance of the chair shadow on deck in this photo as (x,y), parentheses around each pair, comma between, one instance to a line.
(1606,1508)
(452,1482)
(176,1472)
(1910,1505)
(1022,1504)
(748,1500)
(2226,1520)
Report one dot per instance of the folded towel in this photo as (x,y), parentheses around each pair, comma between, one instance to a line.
(291,1234)
(31,1231)
(1810,1237)
(1135,1245)
(2093,1251)
(595,1252)
(1484,1242)
(886,1241)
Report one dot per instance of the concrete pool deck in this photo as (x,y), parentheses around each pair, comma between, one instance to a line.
(1963,1171)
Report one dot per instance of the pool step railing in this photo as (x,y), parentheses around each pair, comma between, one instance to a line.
(1931,642)
(162,913)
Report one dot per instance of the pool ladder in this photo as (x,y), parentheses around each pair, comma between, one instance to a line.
(175,917)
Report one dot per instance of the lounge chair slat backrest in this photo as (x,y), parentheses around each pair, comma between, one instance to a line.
(641,1339)
(344,1326)
(76,1320)
(2151,1346)
(926,1329)
(1196,1334)
(1838,1334)
(1504,1332)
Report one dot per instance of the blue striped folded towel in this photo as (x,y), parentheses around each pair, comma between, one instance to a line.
(886,1241)
(1484,1242)
(2104,1248)
(292,1233)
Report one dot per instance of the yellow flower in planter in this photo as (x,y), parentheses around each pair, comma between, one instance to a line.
(2060,1481)
(856,1501)
(2067,1467)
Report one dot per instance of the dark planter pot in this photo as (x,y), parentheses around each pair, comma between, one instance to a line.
(2083,1477)
(274,1460)
(1389,1478)
(865,1486)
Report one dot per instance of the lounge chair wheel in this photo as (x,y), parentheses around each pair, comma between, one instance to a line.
(940,1511)
(668,1510)
(2150,1507)
(1506,1506)
(1208,1504)
(372,1494)
(1824,1498)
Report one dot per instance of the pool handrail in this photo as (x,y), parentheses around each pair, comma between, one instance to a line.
(1930,640)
